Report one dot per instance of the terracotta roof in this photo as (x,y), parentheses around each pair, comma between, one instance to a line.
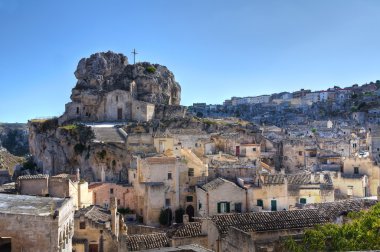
(94,213)
(266,221)
(337,208)
(146,241)
(38,176)
(191,229)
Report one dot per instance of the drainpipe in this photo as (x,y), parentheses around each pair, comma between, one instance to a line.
(208,206)
(246,200)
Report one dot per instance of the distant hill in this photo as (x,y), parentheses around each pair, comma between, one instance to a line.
(14,137)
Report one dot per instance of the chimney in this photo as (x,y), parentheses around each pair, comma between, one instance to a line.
(185,218)
(114,216)
(282,171)
(78,174)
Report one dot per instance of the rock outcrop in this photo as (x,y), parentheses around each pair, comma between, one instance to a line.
(105,72)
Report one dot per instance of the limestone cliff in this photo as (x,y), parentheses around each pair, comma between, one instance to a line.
(62,149)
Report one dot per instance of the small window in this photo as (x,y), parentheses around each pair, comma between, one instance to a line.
(260,203)
(199,205)
(169,175)
(356,170)
(300,153)
(254,149)
(303,200)
(118,202)
(77,110)
(191,172)
(167,202)
(238,207)
(82,225)
(111,191)
(189,198)
(223,207)
(117,98)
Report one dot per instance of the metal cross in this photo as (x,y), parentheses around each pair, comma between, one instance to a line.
(134,56)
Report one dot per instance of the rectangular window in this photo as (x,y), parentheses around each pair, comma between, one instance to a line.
(118,202)
(273,205)
(199,205)
(223,207)
(191,172)
(303,200)
(167,202)
(82,225)
(260,203)
(189,198)
(169,175)
(356,170)
(300,153)
(111,191)
(238,207)
(254,149)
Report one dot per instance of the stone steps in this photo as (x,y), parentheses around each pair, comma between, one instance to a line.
(108,135)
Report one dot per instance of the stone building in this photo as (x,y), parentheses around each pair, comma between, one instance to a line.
(102,192)
(274,192)
(110,89)
(61,186)
(98,229)
(220,196)
(36,224)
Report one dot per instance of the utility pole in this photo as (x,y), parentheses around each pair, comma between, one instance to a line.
(134,55)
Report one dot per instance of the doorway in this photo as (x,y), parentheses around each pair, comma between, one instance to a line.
(273,205)
(93,248)
(6,244)
(119,114)
(190,212)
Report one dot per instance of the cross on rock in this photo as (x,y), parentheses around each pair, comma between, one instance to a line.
(134,56)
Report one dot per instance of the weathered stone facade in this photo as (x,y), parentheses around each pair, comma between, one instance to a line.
(37,224)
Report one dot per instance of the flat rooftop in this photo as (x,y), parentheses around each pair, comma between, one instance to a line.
(29,205)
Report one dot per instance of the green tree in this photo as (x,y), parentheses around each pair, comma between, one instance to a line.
(165,218)
(360,233)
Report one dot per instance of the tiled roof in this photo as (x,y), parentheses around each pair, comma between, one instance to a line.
(213,184)
(8,188)
(146,241)
(94,213)
(62,175)
(38,176)
(191,229)
(337,208)
(94,185)
(296,179)
(266,221)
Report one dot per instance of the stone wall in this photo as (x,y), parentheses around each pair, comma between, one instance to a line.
(39,233)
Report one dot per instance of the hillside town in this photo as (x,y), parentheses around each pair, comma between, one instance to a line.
(127,168)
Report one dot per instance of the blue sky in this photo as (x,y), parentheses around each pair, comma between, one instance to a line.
(216,49)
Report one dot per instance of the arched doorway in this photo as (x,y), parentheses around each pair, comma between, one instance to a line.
(190,212)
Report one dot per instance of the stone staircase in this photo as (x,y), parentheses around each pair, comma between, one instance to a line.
(108,135)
